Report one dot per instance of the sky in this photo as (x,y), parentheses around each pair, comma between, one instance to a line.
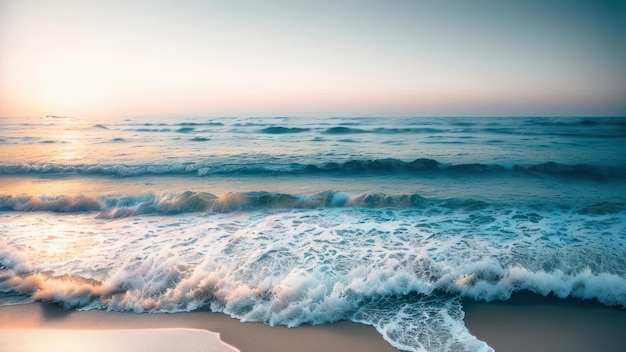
(312,58)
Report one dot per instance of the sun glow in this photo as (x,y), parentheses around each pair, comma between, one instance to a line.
(66,86)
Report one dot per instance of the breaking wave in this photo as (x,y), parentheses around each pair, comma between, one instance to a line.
(404,271)
(351,167)
(116,206)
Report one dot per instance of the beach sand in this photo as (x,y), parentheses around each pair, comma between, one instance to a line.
(529,322)
(137,340)
(29,319)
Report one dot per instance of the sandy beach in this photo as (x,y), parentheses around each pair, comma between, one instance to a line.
(245,337)
(528,322)
(137,340)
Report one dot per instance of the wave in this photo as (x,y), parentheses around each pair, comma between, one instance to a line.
(60,204)
(186,202)
(283,130)
(566,127)
(351,167)
(382,130)
(582,122)
(199,139)
(143,129)
(486,284)
(415,306)
(344,130)
(594,127)
(403,271)
(408,313)
(200,124)
(116,206)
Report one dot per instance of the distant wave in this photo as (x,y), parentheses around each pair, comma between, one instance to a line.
(151,129)
(381,130)
(564,127)
(351,167)
(200,124)
(344,130)
(199,139)
(282,130)
(116,206)
(185,129)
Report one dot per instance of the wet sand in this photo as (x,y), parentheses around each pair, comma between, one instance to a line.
(246,337)
(528,322)
(137,340)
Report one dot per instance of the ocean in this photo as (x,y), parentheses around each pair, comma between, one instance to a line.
(390,222)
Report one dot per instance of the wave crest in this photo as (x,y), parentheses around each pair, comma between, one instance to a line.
(416,167)
(117,206)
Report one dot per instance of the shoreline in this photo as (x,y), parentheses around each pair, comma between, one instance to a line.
(246,337)
(531,322)
(526,322)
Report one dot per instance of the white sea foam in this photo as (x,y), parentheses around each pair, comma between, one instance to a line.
(391,268)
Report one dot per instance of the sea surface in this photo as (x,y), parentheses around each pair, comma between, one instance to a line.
(391,222)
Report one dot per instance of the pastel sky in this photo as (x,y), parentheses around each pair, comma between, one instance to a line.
(312,58)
